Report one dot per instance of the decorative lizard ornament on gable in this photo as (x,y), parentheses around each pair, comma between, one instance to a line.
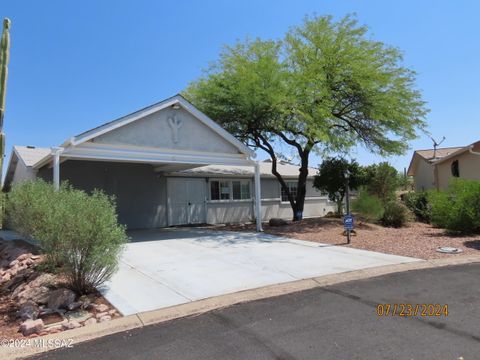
(175,124)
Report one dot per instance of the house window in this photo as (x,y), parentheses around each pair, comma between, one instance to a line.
(241,190)
(292,186)
(219,190)
(229,189)
(455,169)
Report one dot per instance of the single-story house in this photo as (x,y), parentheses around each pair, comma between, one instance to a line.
(434,168)
(168,164)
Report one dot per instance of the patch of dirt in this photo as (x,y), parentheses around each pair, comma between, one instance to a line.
(8,323)
(417,240)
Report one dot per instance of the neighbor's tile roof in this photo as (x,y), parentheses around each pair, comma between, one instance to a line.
(30,155)
(440,153)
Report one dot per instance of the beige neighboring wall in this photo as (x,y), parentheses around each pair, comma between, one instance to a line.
(468,164)
(423,178)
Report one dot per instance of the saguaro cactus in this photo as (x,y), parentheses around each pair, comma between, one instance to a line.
(4,57)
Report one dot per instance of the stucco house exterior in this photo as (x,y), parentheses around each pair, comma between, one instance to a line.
(433,169)
(168,164)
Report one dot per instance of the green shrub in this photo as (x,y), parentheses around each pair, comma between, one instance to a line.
(458,208)
(76,230)
(418,203)
(28,206)
(395,214)
(368,206)
(382,181)
(2,208)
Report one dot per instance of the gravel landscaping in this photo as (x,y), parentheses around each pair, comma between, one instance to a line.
(417,240)
(34,302)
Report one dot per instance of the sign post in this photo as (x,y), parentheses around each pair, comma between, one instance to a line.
(349,225)
(348,221)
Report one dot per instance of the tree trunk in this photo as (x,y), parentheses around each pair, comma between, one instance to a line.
(301,188)
(298,202)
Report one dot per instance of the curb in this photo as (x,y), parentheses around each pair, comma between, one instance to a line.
(139,320)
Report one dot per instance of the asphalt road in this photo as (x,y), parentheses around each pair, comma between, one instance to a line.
(336,322)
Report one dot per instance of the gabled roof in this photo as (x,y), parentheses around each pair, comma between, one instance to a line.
(174,100)
(458,152)
(438,156)
(429,156)
(28,155)
(440,153)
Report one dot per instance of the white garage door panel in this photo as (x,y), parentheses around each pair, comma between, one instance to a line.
(186,201)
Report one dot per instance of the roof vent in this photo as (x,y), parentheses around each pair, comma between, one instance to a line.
(30,147)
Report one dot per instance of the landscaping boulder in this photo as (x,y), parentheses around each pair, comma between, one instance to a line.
(24,257)
(5,277)
(102,314)
(100,307)
(13,263)
(78,315)
(17,280)
(71,325)
(30,327)
(85,301)
(28,311)
(55,329)
(35,294)
(60,298)
(90,321)
(277,222)
(44,279)
(75,305)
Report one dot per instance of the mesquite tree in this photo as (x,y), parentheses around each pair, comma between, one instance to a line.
(325,87)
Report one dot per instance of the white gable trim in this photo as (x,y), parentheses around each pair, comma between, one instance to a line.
(93,151)
(177,99)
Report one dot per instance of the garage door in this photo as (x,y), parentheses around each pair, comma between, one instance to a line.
(186,201)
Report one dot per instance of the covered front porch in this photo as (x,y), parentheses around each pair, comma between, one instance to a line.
(146,196)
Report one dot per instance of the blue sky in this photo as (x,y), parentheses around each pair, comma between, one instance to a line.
(77,64)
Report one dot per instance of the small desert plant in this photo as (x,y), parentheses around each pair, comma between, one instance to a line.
(77,231)
(368,206)
(395,215)
(458,208)
(418,203)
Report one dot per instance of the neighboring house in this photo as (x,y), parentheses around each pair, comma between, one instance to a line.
(433,169)
(168,164)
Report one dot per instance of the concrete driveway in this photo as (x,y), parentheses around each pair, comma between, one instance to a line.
(167,267)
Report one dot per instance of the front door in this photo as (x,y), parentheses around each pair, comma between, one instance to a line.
(186,201)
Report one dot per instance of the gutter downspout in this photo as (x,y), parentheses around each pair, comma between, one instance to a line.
(258,198)
(56,151)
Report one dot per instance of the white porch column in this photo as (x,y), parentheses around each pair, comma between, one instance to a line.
(56,151)
(258,198)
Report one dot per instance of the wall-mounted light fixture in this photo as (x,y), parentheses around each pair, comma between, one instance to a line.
(175,106)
